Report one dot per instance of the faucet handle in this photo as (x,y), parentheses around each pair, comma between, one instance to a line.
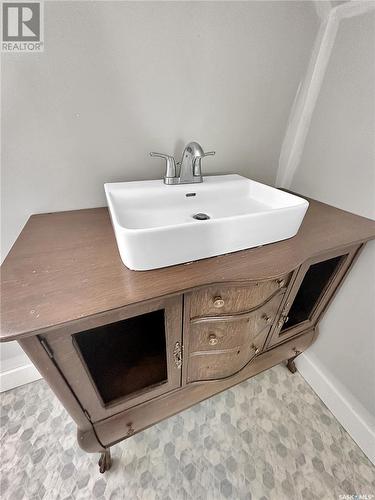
(161,155)
(170,171)
(197,165)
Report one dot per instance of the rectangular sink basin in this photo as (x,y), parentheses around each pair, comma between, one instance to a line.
(157,225)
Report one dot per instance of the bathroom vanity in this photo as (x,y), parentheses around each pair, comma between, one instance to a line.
(123,350)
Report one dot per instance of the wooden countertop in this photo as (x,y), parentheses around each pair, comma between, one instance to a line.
(65,266)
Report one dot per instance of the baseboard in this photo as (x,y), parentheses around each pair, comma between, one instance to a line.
(360,428)
(18,376)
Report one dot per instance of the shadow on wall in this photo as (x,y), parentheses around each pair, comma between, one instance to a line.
(120,79)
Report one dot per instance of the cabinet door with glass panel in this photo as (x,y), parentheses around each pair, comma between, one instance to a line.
(314,286)
(122,363)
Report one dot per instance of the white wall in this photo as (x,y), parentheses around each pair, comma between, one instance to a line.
(338,167)
(120,79)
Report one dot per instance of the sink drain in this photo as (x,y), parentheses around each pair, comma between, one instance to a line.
(201,216)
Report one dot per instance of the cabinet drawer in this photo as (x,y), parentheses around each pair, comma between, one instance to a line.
(212,333)
(220,346)
(218,300)
(221,363)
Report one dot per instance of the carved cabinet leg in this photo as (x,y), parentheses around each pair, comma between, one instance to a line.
(290,364)
(105,461)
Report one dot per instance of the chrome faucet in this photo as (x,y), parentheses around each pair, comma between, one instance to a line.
(190,165)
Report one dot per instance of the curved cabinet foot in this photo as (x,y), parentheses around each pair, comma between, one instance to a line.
(290,364)
(105,461)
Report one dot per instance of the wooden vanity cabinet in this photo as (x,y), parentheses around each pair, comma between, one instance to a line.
(123,349)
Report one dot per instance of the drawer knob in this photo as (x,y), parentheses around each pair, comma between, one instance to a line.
(280,282)
(212,339)
(266,318)
(255,348)
(218,302)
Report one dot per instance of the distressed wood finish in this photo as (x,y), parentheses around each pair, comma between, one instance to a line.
(235,299)
(114,429)
(221,336)
(219,364)
(349,256)
(217,348)
(65,266)
(73,367)
(257,318)
(50,371)
(220,333)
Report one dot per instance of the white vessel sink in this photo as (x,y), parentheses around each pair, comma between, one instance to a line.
(154,224)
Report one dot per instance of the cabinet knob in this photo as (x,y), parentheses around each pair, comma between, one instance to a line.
(212,339)
(283,319)
(218,302)
(266,318)
(255,348)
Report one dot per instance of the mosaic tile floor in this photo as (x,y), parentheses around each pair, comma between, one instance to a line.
(268,438)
